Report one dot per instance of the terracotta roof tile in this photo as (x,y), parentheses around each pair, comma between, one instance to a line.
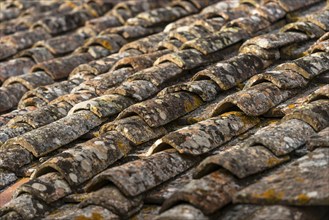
(173,109)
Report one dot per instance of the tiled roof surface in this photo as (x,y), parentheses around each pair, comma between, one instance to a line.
(171,109)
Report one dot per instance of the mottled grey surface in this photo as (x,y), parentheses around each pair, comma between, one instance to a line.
(310,183)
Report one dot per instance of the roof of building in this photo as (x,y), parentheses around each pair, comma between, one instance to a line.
(171,109)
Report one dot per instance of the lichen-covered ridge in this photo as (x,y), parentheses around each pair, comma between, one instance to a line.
(175,109)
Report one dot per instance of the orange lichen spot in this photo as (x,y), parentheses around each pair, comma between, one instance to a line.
(240,86)
(91,11)
(303,199)
(94,216)
(96,111)
(273,122)
(270,195)
(70,4)
(190,106)
(227,114)
(247,120)
(299,179)
(122,147)
(291,106)
(6,195)
(87,117)
(106,44)
(272,161)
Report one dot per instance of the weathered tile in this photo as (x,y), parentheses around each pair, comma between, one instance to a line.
(309,176)
(48,188)
(206,89)
(52,136)
(161,110)
(320,139)
(136,177)
(85,160)
(229,73)
(112,199)
(25,206)
(206,135)
(208,194)
(135,129)
(182,211)
(241,161)
(314,113)
(255,100)
(283,138)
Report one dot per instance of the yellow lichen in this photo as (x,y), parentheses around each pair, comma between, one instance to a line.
(275,161)
(94,216)
(302,199)
(106,44)
(122,147)
(70,4)
(272,162)
(190,106)
(291,106)
(270,195)
(299,179)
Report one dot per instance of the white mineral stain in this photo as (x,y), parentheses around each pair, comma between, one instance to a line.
(39,186)
(73,177)
(86,165)
(313,194)
(162,115)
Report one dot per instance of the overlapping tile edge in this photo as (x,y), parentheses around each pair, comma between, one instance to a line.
(177,91)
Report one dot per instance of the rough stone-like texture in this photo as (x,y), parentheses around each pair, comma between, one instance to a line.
(321,93)
(182,211)
(60,68)
(82,162)
(6,178)
(30,81)
(138,176)
(258,212)
(49,188)
(50,137)
(308,66)
(71,211)
(160,111)
(315,114)
(208,194)
(163,192)
(231,72)
(40,117)
(255,159)
(25,206)
(206,135)
(103,106)
(216,41)
(42,95)
(253,101)
(287,79)
(136,89)
(14,67)
(13,157)
(158,74)
(309,175)
(320,139)
(134,129)
(97,67)
(62,44)
(206,89)
(283,138)
(112,199)
(145,45)
(100,84)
